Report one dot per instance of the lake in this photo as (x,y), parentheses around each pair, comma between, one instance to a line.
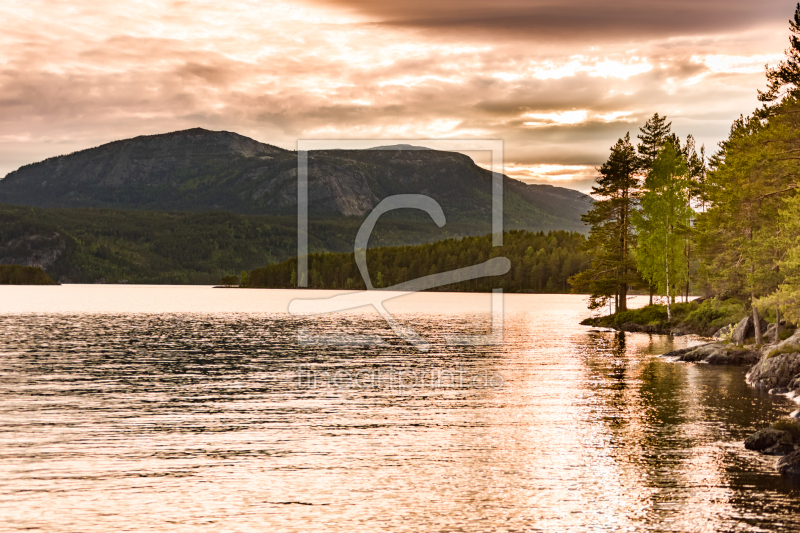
(144,408)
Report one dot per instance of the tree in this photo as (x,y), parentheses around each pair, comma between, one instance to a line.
(786,300)
(739,236)
(655,132)
(663,222)
(785,78)
(611,236)
(229,281)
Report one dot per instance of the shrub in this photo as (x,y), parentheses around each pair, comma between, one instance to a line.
(651,314)
(229,281)
(713,313)
(24,275)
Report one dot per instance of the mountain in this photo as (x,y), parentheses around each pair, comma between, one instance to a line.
(202,170)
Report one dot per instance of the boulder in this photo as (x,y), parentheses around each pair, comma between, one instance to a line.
(766,438)
(775,372)
(732,356)
(779,390)
(722,332)
(769,335)
(794,340)
(746,329)
(789,465)
(715,353)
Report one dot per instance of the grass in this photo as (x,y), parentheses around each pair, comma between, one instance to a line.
(711,313)
(788,425)
(785,349)
(699,317)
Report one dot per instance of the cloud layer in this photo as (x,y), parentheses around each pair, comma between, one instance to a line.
(558,82)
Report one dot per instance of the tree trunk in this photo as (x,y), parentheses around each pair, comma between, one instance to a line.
(756,323)
(777,324)
(669,308)
(623,286)
(651,294)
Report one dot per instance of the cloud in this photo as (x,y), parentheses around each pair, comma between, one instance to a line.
(78,74)
(573,20)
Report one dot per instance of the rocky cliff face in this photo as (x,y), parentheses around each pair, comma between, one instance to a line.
(34,250)
(200,170)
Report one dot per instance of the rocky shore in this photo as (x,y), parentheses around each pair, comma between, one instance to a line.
(775,368)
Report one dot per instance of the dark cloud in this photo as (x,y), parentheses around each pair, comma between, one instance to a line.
(575,20)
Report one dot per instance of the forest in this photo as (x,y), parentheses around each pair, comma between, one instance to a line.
(540,263)
(90,245)
(671,221)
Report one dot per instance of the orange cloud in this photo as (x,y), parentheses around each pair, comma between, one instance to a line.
(78,74)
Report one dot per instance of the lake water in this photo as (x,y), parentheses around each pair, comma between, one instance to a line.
(132,408)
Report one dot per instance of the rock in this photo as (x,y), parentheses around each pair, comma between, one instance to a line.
(767,438)
(789,465)
(746,329)
(722,332)
(715,353)
(769,335)
(794,340)
(775,372)
(733,356)
(633,327)
(779,390)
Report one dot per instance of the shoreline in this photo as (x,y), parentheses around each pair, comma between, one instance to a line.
(773,367)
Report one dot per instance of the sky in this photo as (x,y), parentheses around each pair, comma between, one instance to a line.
(558,81)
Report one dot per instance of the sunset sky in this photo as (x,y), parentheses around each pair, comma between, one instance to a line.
(558,81)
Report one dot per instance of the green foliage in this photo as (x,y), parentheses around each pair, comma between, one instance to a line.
(738,237)
(785,78)
(701,317)
(654,135)
(23,275)
(716,313)
(540,262)
(664,221)
(611,236)
(187,248)
(229,281)
(787,297)
(655,315)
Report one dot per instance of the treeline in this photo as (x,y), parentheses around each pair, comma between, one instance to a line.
(112,245)
(540,262)
(673,221)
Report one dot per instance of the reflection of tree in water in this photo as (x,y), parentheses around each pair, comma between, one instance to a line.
(669,424)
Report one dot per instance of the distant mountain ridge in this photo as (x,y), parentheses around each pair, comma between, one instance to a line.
(202,170)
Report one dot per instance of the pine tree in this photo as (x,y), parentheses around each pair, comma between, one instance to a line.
(786,300)
(785,78)
(654,134)
(611,236)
